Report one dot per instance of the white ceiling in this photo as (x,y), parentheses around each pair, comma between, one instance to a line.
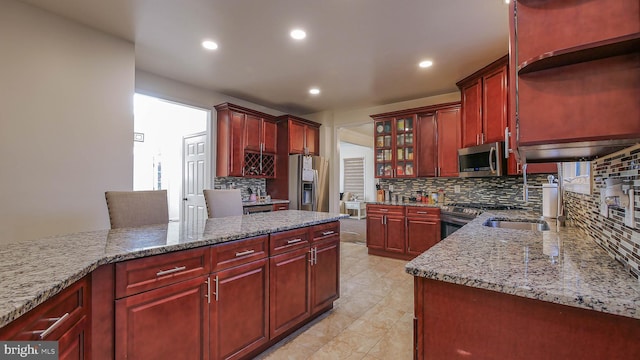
(359,52)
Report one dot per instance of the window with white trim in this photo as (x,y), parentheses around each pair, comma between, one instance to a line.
(354,177)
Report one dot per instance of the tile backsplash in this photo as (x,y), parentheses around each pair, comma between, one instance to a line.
(499,190)
(620,241)
(240,183)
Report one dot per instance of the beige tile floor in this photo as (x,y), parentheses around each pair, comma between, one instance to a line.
(373,319)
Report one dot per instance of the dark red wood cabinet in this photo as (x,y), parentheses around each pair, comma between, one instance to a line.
(305,278)
(386,230)
(448,123)
(65,318)
(280,207)
(417,142)
(423,229)
(471,95)
(246,142)
(325,268)
(170,322)
(401,232)
(485,113)
(484,104)
(226,301)
(239,310)
(289,290)
(438,142)
(576,82)
(455,321)
(303,136)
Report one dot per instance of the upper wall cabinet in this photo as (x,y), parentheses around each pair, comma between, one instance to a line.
(419,142)
(484,104)
(578,82)
(246,142)
(394,146)
(303,136)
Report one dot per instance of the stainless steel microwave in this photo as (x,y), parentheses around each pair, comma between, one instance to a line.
(482,160)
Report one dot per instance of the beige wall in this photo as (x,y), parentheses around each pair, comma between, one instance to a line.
(66,123)
(334,120)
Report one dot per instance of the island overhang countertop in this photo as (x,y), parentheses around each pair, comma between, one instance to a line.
(34,271)
(563,266)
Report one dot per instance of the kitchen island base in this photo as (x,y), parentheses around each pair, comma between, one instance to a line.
(456,321)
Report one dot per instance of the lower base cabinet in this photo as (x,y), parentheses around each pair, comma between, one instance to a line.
(165,323)
(65,318)
(237,302)
(239,310)
(401,232)
(456,322)
(325,273)
(289,290)
(228,301)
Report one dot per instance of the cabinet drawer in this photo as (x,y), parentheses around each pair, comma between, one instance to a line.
(136,276)
(385,209)
(224,256)
(324,231)
(51,319)
(284,241)
(418,211)
(278,207)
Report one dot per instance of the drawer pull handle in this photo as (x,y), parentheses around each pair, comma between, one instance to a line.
(422,212)
(53,326)
(243,253)
(294,241)
(325,233)
(384,210)
(171,271)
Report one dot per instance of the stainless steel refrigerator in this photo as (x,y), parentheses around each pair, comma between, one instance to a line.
(308,183)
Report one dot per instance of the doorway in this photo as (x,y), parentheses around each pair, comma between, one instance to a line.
(159,129)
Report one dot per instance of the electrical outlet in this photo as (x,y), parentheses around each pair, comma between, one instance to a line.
(390,187)
(456,189)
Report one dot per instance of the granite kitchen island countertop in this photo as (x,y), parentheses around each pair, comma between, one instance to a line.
(564,266)
(34,271)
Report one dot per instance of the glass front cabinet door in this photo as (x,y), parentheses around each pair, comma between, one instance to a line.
(394,147)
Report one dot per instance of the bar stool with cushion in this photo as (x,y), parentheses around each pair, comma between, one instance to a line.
(221,203)
(137,208)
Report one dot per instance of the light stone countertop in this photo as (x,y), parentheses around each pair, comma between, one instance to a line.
(564,267)
(34,271)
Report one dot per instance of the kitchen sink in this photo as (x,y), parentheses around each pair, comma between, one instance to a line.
(519,224)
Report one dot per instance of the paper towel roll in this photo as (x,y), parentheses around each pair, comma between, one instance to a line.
(550,200)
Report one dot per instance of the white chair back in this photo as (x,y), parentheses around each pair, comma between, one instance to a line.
(221,203)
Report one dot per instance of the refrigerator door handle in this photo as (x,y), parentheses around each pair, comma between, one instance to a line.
(314,191)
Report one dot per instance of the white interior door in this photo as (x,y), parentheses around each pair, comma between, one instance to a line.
(194,212)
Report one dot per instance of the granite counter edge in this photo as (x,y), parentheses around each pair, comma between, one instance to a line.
(46,294)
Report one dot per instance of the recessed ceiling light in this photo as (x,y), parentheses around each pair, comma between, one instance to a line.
(314,91)
(209,45)
(298,34)
(425,63)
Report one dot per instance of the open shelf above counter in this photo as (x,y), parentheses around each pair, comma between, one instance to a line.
(622,45)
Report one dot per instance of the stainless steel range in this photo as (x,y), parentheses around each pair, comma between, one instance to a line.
(456,215)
